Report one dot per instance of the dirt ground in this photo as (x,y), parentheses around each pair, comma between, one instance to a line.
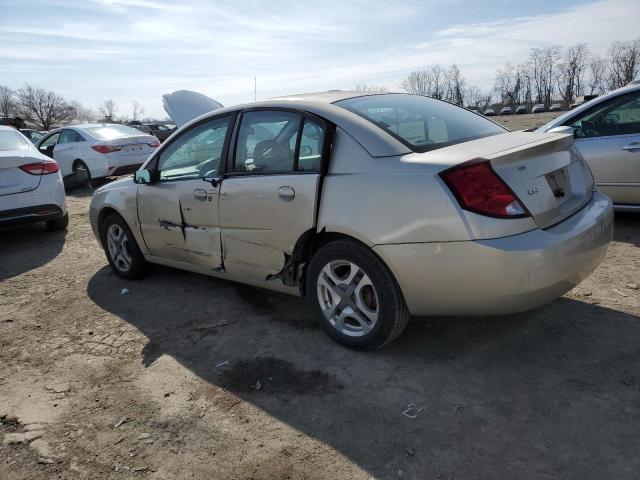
(191,377)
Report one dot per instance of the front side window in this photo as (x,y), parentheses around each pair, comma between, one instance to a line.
(49,141)
(620,116)
(196,153)
(422,123)
(12,140)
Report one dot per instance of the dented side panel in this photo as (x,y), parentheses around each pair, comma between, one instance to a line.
(178,226)
(259,226)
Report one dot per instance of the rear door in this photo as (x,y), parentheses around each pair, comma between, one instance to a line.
(178,213)
(268,199)
(608,136)
(67,150)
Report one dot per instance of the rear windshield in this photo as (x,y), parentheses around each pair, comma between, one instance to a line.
(422,123)
(112,132)
(11,140)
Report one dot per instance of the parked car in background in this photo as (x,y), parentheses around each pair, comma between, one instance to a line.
(374,207)
(607,134)
(538,108)
(31,188)
(520,109)
(143,129)
(489,112)
(556,107)
(506,111)
(92,152)
(31,134)
(160,130)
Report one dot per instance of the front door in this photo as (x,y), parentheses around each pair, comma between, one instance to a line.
(608,136)
(67,150)
(178,212)
(269,197)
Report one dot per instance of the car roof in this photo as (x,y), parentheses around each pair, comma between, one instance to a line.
(373,139)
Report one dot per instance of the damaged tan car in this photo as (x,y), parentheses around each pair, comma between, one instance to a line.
(374,207)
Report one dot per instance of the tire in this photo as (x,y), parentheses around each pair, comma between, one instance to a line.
(123,254)
(59,223)
(354,296)
(81,172)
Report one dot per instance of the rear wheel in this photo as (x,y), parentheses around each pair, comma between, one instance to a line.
(121,248)
(59,223)
(355,296)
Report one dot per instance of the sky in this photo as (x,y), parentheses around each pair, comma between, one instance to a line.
(126,50)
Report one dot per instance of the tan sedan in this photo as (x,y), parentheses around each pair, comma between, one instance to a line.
(374,207)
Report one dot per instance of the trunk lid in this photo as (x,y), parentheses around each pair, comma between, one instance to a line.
(138,145)
(544,170)
(14,180)
(184,105)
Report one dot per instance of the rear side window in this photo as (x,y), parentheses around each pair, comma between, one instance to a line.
(422,123)
(11,140)
(112,132)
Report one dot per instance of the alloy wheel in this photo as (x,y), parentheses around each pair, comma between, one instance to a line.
(118,246)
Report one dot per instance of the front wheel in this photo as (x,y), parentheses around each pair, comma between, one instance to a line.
(121,248)
(355,296)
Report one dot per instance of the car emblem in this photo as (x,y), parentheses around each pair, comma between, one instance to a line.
(533,190)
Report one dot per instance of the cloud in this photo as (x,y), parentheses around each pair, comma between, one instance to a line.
(140,49)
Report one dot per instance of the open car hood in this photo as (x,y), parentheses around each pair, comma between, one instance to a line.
(183,105)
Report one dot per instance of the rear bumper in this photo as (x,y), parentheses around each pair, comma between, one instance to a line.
(34,214)
(504,275)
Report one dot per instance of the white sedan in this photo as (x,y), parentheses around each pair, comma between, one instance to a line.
(31,187)
(94,151)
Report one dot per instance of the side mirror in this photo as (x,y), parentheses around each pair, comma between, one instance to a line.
(142,177)
(562,129)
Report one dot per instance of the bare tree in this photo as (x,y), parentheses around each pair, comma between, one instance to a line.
(598,72)
(543,63)
(138,111)
(45,108)
(108,109)
(81,113)
(431,81)
(625,63)
(507,84)
(473,97)
(571,70)
(456,85)
(8,105)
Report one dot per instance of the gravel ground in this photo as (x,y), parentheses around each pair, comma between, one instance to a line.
(192,377)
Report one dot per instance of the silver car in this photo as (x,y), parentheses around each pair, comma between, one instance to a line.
(607,134)
(373,207)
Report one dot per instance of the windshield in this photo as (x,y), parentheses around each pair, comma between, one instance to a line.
(422,123)
(112,132)
(12,140)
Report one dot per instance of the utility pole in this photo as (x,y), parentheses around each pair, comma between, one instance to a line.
(255,88)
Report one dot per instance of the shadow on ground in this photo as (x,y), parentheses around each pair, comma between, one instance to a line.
(552,393)
(626,228)
(26,247)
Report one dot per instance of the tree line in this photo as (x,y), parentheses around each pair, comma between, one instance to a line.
(47,109)
(550,74)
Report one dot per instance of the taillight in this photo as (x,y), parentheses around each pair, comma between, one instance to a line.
(479,189)
(41,168)
(154,144)
(106,148)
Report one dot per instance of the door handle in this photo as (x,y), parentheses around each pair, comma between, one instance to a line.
(286,193)
(632,147)
(200,194)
